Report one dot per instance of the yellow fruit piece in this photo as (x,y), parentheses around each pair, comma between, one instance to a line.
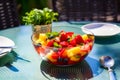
(91,37)
(42,36)
(85,37)
(74,50)
(83,52)
(74,57)
(42,39)
(49,57)
(70,54)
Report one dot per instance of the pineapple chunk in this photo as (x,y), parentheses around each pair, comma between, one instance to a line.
(85,37)
(74,50)
(74,54)
(42,39)
(74,57)
(42,36)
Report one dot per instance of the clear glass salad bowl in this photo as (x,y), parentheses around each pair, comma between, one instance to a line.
(64,46)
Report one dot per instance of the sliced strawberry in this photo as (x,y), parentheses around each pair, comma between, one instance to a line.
(73,42)
(63,37)
(70,46)
(55,55)
(64,44)
(79,39)
(88,40)
(62,52)
(50,43)
(69,34)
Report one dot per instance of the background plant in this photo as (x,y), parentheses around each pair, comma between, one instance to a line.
(40,16)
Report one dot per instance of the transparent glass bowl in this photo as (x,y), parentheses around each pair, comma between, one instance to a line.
(67,55)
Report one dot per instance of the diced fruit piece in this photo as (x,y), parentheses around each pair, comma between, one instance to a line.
(64,44)
(42,36)
(57,39)
(44,43)
(51,57)
(51,35)
(69,34)
(55,44)
(55,55)
(73,42)
(62,53)
(75,57)
(63,37)
(74,50)
(79,39)
(87,38)
(50,43)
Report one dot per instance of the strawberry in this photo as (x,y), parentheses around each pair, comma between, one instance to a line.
(62,52)
(88,40)
(79,39)
(64,44)
(50,43)
(69,34)
(55,55)
(73,42)
(63,37)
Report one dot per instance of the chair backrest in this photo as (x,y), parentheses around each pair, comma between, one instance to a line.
(8,14)
(87,10)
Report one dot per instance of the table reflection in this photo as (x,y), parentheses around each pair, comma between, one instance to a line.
(81,71)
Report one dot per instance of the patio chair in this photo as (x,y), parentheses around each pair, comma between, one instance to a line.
(8,14)
(86,10)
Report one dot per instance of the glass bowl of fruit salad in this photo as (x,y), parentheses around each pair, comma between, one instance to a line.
(64,46)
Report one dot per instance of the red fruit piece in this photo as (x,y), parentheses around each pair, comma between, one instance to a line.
(50,43)
(88,40)
(73,42)
(64,44)
(79,39)
(62,53)
(69,34)
(55,55)
(63,37)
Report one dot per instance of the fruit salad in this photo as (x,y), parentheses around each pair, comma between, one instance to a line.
(63,48)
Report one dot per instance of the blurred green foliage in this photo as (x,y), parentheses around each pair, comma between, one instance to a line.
(27,5)
(40,16)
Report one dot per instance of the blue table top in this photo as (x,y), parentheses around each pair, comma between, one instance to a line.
(23,63)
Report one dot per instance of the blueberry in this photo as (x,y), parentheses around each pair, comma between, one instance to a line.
(60,59)
(63,60)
